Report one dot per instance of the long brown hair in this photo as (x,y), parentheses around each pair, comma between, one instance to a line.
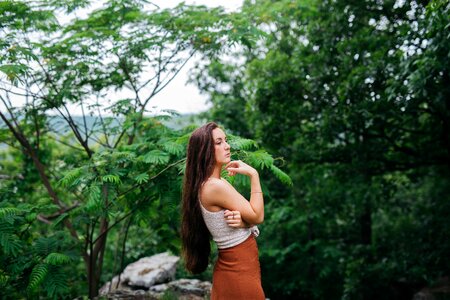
(200,163)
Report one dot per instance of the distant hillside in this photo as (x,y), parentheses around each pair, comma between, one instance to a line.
(60,126)
(174,122)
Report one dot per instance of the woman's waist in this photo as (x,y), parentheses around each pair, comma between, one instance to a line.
(246,250)
(227,239)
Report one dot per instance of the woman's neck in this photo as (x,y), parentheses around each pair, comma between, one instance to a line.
(216,171)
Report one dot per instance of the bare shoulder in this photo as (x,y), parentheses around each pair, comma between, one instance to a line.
(212,193)
(219,194)
(215,185)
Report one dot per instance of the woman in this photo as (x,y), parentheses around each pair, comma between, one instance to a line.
(213,207)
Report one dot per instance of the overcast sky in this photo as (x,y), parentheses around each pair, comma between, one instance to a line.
(177,95)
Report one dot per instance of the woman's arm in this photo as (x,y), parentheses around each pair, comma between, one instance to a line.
(220,193)
(234,219)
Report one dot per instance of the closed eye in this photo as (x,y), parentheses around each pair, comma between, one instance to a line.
(219,141)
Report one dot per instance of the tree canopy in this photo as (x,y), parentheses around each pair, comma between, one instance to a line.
(355,97)
(352,99)
(76,189)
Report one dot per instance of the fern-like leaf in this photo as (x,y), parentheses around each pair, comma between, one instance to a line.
(10,243)
(37,276)
(141,178)
(111,178)
(283,177)
(123,156)
(174,147)
(157,157)
(260,159)
(55,283)
(94,192)
(238,143)
(9,211)
(57,259)
(6,227)
(44,245)
(71,177)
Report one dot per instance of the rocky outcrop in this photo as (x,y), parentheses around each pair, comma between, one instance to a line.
(150,270)
(153,278)
(184,289)
(440,290)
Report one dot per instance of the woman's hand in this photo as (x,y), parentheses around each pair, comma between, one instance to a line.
(234,219)
(239,167)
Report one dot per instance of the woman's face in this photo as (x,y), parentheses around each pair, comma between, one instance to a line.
(222,149)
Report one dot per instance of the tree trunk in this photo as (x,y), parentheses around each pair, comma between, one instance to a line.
(311,251)
(366,223)
(97,250)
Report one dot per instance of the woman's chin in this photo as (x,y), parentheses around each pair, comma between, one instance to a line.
(226,160)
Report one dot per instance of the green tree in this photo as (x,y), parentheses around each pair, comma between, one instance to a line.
(354,96)
(84,176)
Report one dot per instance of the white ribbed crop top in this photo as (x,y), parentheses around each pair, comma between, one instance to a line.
(224,235)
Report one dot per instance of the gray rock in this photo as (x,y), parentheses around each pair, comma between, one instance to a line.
(159,288)
(191,287)
(148,271)
(143,274)
(423,295)
(114,285)
(439,290)
(129,295)
(149,279)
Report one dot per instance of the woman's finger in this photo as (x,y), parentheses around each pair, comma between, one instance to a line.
(228,215)
(233,224)
(232,163)
(235,213)
(230,173)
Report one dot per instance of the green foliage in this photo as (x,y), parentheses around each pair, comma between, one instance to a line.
(157,157)
(7,213)
(260,158)
(10,243)
(71,178)
(241,143)
(14,72)
(354,97)
(110,179)
(141,178)
(282,176)
(174,148)
(57,259)
(29,262)
(38,274)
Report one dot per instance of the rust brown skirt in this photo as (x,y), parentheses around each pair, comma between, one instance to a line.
(237,273)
